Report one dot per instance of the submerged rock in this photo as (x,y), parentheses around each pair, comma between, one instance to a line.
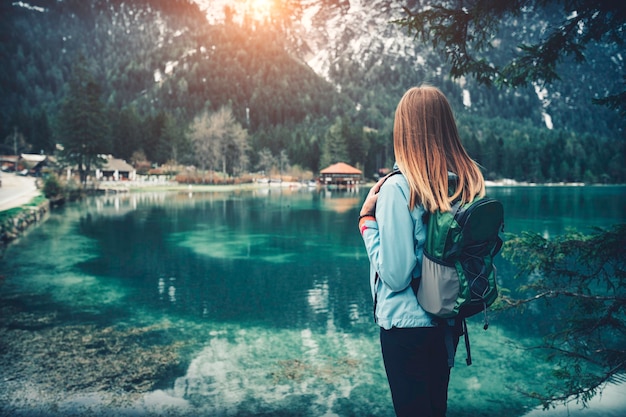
(37,350)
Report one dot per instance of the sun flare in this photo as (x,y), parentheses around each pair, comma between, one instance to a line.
(260,9)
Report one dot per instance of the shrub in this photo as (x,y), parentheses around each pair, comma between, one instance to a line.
(52,187)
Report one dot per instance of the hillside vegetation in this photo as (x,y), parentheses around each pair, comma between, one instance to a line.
(157,66)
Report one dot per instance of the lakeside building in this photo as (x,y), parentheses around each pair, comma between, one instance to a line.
(340,175)
(116,169)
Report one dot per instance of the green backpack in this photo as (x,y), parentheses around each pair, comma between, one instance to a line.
(458,275)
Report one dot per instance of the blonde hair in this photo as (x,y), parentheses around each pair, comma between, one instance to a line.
(427,146)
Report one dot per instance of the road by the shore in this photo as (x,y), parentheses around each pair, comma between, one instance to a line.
(16,190)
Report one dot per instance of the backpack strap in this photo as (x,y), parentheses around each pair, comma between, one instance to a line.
(497,246)
(375,296)
(468,359)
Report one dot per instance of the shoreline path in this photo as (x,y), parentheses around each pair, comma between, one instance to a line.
(16,190)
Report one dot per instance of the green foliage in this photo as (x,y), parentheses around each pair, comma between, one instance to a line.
(7,216)
(582,280)
(526,153)
(615,102)
(467,31)
(36,201)
(219,141)
(128,131)
(82,129)
(152,80)
(335,148)
(52,187)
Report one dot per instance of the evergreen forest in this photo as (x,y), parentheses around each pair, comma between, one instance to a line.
(146,80)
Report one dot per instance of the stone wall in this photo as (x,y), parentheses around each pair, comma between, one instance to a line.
(14,226)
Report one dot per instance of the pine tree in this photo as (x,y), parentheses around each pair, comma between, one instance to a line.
(334,147)
(82,128)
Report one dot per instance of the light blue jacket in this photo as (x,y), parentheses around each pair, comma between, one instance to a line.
(394,243)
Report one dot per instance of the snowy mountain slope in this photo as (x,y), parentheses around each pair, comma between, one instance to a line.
(155,50)
(331,35)
(323,31)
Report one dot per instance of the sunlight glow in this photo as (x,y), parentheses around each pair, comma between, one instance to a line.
(259,9)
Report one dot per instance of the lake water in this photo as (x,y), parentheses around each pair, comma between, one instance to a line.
(266,293)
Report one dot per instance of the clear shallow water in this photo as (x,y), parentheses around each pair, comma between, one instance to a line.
(268,291)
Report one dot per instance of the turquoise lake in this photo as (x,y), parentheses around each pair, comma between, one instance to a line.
(270,289)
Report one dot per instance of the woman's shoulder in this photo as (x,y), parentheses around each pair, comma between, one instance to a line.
(397,190)
(396,184)
(396,178)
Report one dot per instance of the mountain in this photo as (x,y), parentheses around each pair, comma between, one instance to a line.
(348,41)
(288,74)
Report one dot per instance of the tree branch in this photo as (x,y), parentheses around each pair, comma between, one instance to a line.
(555,293)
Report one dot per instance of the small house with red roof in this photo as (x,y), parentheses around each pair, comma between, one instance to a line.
(340,174)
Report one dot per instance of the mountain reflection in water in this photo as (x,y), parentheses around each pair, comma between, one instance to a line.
(241,303)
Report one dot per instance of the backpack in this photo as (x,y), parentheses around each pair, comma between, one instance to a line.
(458,275)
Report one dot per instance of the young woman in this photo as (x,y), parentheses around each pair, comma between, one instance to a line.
(417,348)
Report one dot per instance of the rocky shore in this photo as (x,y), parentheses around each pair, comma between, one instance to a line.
(21,206)
(16,221)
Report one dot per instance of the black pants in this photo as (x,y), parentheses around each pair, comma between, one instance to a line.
(416,362)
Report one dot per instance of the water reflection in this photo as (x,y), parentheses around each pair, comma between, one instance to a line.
(318,297)
(269,292)
(552,210)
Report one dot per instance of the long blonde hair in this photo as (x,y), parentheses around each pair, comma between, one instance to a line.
(427,146)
